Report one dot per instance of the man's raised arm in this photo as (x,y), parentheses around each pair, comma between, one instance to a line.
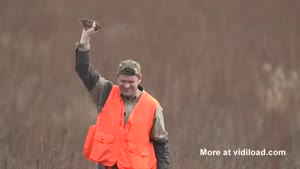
(87,73)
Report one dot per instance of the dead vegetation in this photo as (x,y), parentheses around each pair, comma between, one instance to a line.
(225,72)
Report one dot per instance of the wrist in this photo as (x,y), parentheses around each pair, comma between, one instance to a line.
(83,46)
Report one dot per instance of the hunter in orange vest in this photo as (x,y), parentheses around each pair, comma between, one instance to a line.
(110,141)
(129,132)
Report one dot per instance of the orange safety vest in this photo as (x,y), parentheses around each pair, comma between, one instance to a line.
(109,142)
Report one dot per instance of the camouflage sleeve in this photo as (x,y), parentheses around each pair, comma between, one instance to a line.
(97,85)
(160,140)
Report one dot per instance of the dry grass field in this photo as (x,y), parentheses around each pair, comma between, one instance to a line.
(225,72)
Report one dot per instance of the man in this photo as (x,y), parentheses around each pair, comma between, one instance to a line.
(130,131)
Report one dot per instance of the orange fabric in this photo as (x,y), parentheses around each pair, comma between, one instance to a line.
(109,141)
(89,142)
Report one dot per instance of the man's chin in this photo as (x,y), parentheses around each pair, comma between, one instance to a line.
(127,94)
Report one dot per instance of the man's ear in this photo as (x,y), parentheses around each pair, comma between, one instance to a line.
(140,77)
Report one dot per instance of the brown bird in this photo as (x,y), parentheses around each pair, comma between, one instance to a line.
(88,23)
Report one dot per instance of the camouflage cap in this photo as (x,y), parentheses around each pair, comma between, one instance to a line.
(129,67)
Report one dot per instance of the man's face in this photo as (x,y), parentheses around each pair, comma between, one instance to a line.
(128,84)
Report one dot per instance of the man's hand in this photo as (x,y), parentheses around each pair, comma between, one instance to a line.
(86,34)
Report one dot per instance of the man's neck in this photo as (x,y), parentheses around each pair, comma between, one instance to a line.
(136,95)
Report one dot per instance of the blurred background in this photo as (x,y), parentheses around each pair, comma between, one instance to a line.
(225,72)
